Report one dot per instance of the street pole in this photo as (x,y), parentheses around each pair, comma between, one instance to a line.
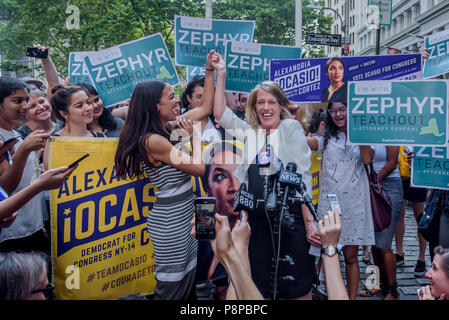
(209,9)
(378,39)
(298,23)
(346,25)
(343,24)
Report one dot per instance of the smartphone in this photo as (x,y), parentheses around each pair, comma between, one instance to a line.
(7,153)
(78,161)
(36,53)
(333,200)
(10,140)
(205,218)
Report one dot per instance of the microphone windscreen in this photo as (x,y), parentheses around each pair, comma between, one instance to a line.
(291,166)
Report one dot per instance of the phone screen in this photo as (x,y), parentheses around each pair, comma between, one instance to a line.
(333,200)
(3,194)
(205,218)
(10,140)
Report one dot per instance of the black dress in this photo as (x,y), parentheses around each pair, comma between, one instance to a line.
(295,280)
(340,95)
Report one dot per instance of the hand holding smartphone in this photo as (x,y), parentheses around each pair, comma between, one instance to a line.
(205,218)
(37,53)
(10,140)
(333,200)
(7,154)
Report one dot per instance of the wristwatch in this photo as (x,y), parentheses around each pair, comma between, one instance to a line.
(330,250)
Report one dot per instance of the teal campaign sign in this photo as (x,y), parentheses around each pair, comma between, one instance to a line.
(117,70)
(195,72)
(437,46)
(77,70)
(248,64)
(401,112)
(196,37)
(430,167)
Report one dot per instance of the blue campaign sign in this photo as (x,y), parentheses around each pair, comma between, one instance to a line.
(437,46)
(195,37)
(248,64)
(430,167)
(77,70)
(395,112)
(117,70)
(325,79)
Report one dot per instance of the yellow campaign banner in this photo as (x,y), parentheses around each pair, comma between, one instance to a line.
(101,248)
(315,169)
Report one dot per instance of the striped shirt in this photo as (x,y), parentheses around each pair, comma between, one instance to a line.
(175,250)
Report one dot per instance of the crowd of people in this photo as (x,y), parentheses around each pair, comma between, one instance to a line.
(250,251)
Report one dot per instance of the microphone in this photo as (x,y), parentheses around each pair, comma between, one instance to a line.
(243,200)
(271,204)
(264,159)
(291,177)
(308,201)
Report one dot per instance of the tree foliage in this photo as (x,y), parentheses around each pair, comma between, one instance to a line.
(275,20)
(105,23)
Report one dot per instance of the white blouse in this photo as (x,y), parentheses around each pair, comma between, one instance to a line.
(288,141)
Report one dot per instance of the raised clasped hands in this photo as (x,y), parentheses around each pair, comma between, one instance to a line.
(217,61)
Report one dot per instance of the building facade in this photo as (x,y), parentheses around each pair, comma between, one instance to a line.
(411,22)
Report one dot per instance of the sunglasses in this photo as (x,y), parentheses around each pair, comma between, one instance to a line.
(47,291)
(335,111)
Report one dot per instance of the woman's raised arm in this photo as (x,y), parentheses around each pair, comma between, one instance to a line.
(207,100)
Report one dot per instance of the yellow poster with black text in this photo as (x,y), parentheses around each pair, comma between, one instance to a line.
(100,244)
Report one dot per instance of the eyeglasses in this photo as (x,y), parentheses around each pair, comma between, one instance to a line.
(335,111)
(47,291)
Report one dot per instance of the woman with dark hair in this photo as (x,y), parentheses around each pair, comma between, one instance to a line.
(147,146)
(192,94)
(103,120)
(74,109)
(337,90)
(39,115)
(317,122)
(26,233)
(343,174)
(438,276)
(222,158)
